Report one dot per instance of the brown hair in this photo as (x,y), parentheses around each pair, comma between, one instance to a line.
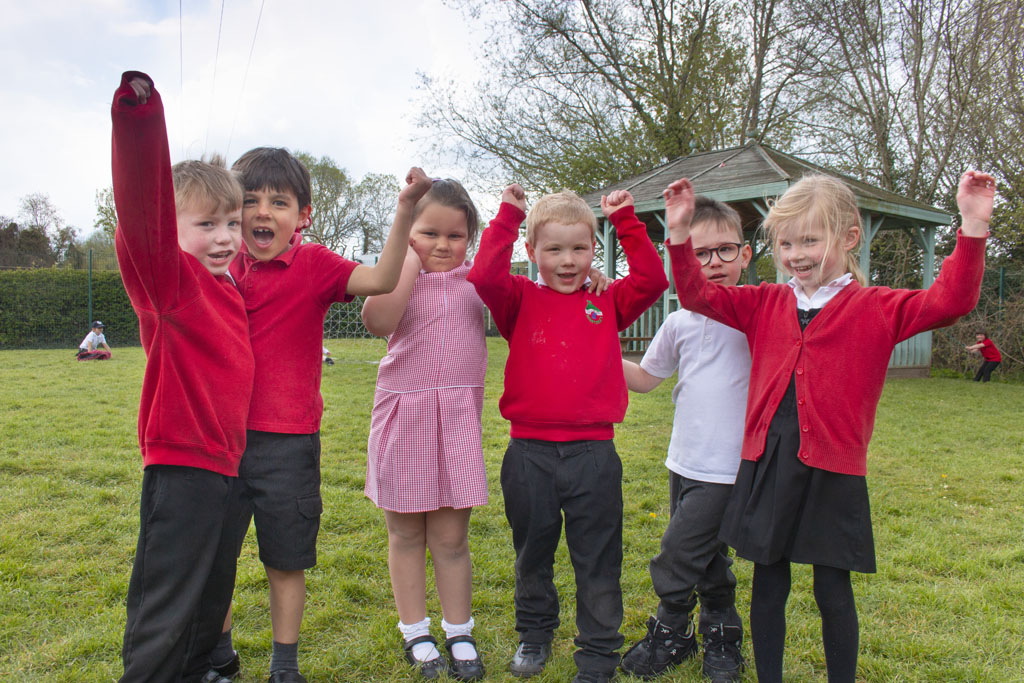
(452,194)
(723,216)
(276,169)
(565,207)
(819,200)
(207,184)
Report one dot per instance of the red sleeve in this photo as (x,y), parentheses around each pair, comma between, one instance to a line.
(734,306)
(147,229)
(953,295)
(332,273)
(500,291)
(646,281)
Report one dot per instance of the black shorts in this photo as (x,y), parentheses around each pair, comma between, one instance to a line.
(279,488)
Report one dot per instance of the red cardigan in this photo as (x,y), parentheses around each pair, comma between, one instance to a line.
(839,362)
(563,377)
(199,366)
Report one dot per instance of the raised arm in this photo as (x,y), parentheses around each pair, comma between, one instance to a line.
(500,291)
(638,379)
(974,198)
(679,201)
(646,281)
(147,229)
(383,277)
(382,313)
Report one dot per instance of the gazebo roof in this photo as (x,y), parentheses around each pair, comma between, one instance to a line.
(754,172)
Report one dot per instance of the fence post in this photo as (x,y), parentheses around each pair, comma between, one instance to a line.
(1002,289)
(90,287)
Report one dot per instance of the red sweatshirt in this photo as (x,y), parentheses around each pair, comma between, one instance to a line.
(199,365)
(563,377)
(839,362)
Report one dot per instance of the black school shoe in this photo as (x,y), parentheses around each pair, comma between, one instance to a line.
(231,669)
(723,662)
(213,676)
(465,669)
(593,677)
(660,649)
(430,669)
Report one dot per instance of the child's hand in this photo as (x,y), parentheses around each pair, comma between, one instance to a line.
(417,184)
(412,258)
(615,201)
(599,282)
(974,197)
(679,200)
(515,196)
(142,88)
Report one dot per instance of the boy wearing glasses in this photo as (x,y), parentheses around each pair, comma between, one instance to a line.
(713,362)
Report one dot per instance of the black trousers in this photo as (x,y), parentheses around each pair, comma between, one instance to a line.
(582,480)
(183,576)
(692,560)
(984,373)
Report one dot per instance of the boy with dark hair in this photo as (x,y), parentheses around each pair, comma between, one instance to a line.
(288,287)
(564,390)
(991,358)
(174,256)
(713,365)
(89,349)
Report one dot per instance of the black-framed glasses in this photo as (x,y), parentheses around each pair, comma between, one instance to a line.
(727,253)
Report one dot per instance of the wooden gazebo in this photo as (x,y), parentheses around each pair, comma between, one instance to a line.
(745,177)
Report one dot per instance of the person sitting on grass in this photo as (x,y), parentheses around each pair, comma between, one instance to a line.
(177,231)
(564,391)
(991,358)
(89,348)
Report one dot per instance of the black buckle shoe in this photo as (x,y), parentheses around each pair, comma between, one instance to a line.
(430,669)
(660,649)
(465,669)
(723,662)
(529,659)
(231,669)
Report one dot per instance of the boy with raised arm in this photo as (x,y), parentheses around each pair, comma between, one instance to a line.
(713,365)
(288,287)
(564,390)
(178,229)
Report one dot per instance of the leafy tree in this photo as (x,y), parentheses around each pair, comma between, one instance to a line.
(106,216)
(374,201)
(583,94)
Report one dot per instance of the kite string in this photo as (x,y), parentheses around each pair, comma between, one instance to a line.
(245,77)
(213,87)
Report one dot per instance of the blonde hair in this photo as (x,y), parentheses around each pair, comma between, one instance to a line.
(818,200)
(564,207)
(206,184)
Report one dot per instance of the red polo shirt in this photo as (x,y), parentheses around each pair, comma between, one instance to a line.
(287,299)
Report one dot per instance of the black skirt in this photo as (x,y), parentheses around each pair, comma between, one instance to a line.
(782,509)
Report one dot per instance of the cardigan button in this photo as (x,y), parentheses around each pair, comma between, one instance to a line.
(799,342)
(803,455)
(799,371)
(805,428)
(799,401)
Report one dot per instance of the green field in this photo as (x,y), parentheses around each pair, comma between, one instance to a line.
(945,472)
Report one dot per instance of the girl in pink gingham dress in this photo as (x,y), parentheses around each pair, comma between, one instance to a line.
(425,464)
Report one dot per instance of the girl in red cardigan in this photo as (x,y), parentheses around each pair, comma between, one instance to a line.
(820,346)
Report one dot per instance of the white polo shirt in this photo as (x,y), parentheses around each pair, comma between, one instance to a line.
(96,340)
(713,362)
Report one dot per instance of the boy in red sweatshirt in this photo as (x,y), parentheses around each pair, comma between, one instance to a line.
(178,230)
(564,389)
(288,286)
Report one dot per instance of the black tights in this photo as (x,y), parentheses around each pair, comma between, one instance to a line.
(839,630)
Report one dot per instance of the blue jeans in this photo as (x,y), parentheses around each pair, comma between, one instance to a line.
(582,480)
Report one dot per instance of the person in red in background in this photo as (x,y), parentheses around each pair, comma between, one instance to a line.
(990,354)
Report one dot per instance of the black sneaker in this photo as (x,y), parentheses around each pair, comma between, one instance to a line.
(231,668)
(658,650)
(529,659)
(723,662)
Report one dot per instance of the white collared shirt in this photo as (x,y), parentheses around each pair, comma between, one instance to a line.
(822,296)
(713,362)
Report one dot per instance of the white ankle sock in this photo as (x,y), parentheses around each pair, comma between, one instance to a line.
(423,652)
(464,651)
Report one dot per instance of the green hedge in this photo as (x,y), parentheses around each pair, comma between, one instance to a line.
(49,307)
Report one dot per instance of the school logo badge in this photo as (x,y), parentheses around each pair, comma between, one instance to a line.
(594,314)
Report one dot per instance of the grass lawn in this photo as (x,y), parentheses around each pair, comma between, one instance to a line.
(946,472)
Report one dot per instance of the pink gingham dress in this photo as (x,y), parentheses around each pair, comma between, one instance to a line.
(424,451)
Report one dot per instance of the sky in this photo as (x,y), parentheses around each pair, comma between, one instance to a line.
(328,77)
